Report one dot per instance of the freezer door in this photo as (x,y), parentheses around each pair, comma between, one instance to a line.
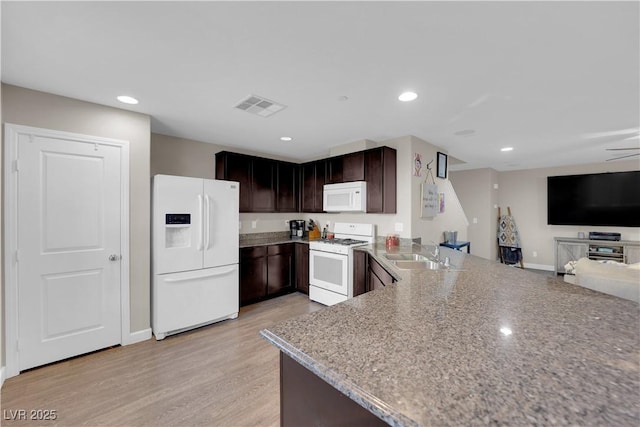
(177,224)
(221,199)
(194,298)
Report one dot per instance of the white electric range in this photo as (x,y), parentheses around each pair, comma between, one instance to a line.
(331,262)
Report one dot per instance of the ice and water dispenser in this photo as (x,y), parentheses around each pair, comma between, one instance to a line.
(177,231)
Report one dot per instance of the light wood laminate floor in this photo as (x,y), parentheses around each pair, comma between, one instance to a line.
(220,375)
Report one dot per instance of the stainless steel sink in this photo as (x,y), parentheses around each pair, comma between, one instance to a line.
(411,261)
(426,264)
(406,257)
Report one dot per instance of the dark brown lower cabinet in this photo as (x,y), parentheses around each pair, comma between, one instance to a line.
(265,271)
(302,267)
(378,277)
(279,268)
(253,274)
(359,273)
(368,274)
(307,400)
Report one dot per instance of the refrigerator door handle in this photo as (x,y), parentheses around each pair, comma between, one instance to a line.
(207,237)
(200,223)
(219,272)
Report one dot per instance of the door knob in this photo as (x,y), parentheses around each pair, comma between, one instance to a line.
(114,257)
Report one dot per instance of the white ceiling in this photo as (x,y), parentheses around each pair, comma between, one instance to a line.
(558,81)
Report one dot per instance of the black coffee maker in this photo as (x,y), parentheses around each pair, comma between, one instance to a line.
(296,228)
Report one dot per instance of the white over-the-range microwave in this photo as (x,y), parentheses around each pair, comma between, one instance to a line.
(345,197)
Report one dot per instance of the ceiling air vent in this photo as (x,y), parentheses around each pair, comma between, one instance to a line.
(258,105)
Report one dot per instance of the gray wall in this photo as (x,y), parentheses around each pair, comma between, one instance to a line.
(171,155)
(478,196)
(525,191)
(31,108)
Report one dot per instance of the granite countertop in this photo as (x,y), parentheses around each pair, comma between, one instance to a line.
(489,344)
(271,238)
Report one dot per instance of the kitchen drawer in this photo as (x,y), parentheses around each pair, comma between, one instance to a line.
(253,252)
(281,249)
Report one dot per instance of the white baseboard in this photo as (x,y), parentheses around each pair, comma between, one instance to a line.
(137,336)
(539,266)
(1,376)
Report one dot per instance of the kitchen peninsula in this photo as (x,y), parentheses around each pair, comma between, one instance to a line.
(486,343)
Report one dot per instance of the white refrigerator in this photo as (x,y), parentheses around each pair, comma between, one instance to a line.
(195,253)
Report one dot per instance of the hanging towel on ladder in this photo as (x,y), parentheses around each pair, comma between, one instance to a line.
(508,232)
(509,240)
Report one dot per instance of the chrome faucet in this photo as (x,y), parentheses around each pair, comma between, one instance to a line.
(436,251)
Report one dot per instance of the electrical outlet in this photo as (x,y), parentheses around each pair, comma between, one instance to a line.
(327,224)
(286,222)
(254,224)
(535,254)
(399,226)
(475,220)
(495,186)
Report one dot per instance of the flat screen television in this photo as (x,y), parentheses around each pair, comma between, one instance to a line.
(601,199)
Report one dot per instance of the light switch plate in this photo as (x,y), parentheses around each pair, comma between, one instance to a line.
(254,224)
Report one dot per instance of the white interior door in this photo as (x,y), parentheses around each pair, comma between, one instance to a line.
(69,246)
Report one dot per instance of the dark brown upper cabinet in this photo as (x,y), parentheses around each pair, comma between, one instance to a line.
(353,167)
(256,176)
(312,178)
(268,185)
(263,189)
(287,187)
(236,167)
(333,169)
(345,168)
(380,174)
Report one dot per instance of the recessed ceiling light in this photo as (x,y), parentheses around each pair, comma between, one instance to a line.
(408,96)
(127,99)
(506,149)
(286,138)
